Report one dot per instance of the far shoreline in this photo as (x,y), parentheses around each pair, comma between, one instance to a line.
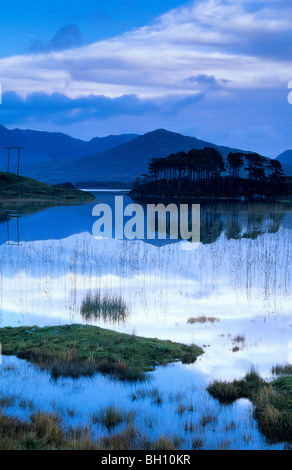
(243,199)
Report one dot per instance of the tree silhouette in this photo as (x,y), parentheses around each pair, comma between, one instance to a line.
(235,162)
(199,172)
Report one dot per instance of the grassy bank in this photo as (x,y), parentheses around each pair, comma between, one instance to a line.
(83,350)
(272,402)
(22,188)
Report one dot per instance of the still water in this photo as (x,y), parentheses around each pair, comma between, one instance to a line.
(239,274)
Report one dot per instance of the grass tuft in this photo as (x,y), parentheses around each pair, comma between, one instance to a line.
(272,402)
(203,319)
(111,308)
(111,417)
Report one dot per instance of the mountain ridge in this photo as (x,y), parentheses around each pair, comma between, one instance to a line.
(118,158)
(285,158)
(42,146)
(124,162)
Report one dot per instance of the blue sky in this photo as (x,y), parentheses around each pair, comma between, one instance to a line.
(215,69)
(24,24)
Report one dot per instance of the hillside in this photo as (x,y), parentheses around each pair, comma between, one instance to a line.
(122,163)
(53,146)
(286,160)
(23,188)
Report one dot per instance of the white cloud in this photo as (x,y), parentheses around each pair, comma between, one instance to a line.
(229,40)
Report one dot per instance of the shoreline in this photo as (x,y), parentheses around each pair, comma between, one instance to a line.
(46,200)
(243,199)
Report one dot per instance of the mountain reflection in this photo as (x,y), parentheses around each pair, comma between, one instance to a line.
(236,220)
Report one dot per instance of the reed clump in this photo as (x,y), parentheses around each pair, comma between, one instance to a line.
(282,369)
(202,319)
(111,416)
(108,307)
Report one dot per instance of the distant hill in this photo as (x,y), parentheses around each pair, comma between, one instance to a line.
(122,163)
(285,159)
(52,146)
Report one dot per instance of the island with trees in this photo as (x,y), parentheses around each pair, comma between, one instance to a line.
(204,173)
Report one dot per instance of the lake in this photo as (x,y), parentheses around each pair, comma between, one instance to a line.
(238,277)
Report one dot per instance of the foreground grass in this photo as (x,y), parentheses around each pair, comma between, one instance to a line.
(83,350)
(21,187)
(45,431)
(272,402)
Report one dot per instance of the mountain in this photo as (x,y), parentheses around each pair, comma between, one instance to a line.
(122,163)
(39,146)
(285,159)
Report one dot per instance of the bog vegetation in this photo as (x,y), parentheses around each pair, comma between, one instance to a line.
(84,350)
(272,402)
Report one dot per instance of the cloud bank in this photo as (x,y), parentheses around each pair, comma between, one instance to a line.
(244,42)
(191,62)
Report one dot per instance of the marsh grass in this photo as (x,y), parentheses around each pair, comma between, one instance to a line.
(184,407)
(112,416)
(154,395)
(164,443)
(46,431)
(26,404)
(202,319)
(208,417)
(228,392)
(84,350)
(225,392)
(7,401)
(238,343)
(272,402)
(197,443)
(282,369)
(109,307)
(239,339)
(128,439)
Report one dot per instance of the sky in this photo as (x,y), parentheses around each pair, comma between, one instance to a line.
(218,70)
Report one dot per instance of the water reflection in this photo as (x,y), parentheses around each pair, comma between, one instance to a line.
(235,219)
(53,270)
(240,274)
